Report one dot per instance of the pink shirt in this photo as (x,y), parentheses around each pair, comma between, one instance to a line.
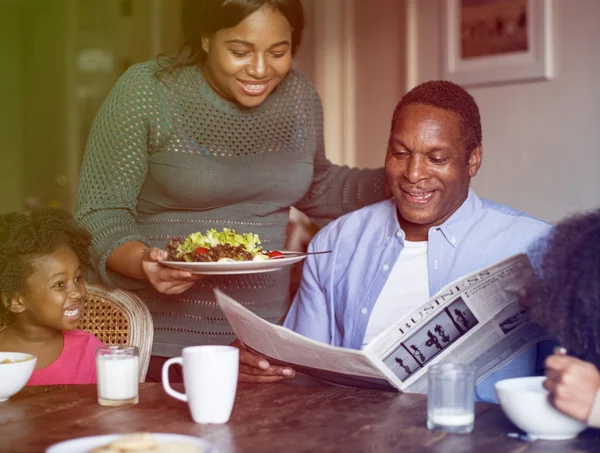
(76,364)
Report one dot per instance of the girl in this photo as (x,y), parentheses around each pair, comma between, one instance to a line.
(42,289)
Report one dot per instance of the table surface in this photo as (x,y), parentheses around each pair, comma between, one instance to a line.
(300,415)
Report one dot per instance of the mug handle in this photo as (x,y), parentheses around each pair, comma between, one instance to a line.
(165,379)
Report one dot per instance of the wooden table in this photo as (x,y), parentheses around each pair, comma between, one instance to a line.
(296,416)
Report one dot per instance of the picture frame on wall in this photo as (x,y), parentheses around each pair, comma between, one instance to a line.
(497,41)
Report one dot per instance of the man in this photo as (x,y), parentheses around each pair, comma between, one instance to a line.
(391,257)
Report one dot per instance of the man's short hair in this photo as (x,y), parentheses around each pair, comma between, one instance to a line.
(447,96)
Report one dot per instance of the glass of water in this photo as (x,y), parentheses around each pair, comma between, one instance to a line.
(451,398)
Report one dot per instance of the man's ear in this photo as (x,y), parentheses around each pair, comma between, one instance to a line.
(205,43)
(475,160)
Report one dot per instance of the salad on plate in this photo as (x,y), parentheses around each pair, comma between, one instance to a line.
(219,246)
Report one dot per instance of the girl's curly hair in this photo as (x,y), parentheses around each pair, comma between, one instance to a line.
(566,298)
(24,237)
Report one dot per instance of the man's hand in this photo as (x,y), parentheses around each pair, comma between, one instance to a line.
(573,385)
(256,369)
(165,279)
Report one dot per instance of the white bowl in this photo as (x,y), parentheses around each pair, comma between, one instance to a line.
(525,402)
(14,375)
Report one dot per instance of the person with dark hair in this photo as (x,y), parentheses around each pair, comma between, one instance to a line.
(43,257)
(565,300)
(389,258)
(222,135)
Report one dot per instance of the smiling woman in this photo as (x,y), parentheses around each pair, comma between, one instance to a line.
(243,48)
(247,70)
(42,261)
(224,134)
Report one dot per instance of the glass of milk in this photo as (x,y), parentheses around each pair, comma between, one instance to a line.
(117,369)
(451,397)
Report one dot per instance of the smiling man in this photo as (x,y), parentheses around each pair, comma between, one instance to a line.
(391,257)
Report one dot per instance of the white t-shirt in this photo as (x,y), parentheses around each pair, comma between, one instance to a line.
(406,289)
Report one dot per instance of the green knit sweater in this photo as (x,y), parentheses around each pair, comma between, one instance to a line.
(167,157)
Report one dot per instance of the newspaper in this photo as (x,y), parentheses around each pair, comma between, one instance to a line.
(476,319)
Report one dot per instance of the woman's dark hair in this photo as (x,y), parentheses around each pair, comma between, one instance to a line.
(205,17)
(566,298)
(24,237)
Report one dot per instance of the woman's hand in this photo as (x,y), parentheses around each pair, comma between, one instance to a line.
(256,369)
(573,385)
(165,279)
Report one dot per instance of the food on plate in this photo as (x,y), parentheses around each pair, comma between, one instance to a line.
(145,443)
(5,361)
(215,246)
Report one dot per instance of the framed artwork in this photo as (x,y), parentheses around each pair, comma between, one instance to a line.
(497,41)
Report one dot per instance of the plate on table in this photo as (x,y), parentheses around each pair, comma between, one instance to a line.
(87,444)
(238,267)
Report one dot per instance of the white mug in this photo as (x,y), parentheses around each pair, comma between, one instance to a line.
(210,375)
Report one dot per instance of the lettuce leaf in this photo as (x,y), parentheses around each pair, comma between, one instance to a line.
(249,241)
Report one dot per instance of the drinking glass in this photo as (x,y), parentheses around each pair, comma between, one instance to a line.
(117,370)
(451,398)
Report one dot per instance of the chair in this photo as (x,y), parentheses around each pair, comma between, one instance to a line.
(116,316)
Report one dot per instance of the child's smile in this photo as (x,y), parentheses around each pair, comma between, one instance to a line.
(73,313)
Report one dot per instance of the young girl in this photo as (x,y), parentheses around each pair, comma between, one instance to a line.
(42,256)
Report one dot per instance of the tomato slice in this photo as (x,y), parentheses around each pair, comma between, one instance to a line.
(275,254)
(201,251)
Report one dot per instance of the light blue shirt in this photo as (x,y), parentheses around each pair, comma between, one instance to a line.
(339,289)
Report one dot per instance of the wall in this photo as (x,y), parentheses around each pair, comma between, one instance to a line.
(304,60)
(166,26)
(380,74)
(32,40)
(541,139)
(11,113)
(357,49)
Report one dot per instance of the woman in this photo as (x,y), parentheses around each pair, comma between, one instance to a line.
(225,134)
(566,300)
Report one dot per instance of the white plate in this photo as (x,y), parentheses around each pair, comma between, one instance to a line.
(238,267)
(86,444)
